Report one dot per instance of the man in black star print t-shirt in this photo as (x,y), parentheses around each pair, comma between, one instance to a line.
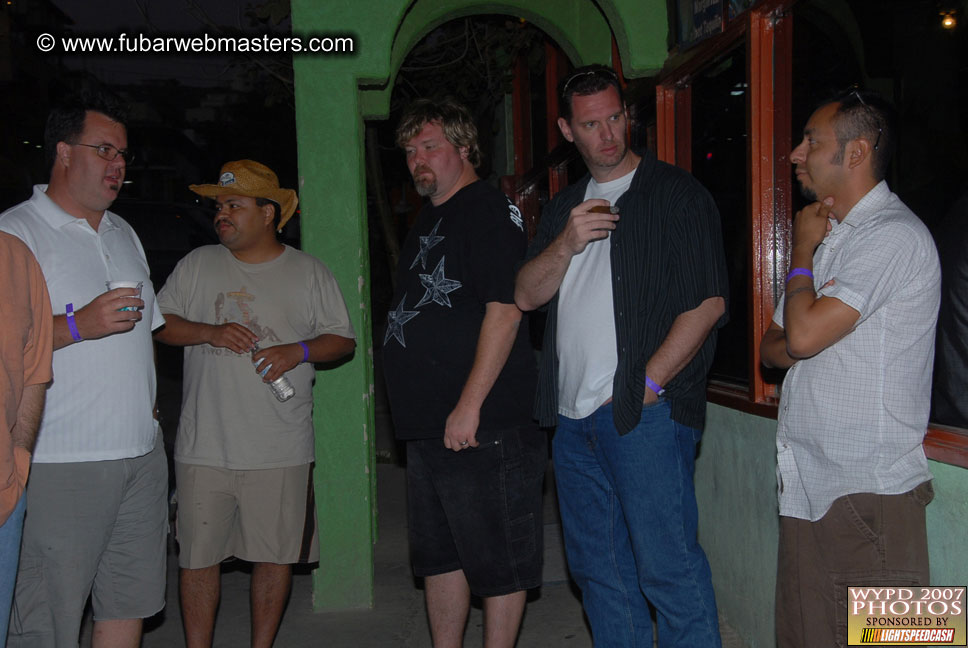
(459,258)
(461,378)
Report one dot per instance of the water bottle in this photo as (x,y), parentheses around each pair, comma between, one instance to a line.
(281,387)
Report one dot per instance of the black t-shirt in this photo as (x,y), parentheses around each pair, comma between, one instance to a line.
(458,257)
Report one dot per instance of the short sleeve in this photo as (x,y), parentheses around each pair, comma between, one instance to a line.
(875,267)
(699,262)
(173,298)
(39,348)
(329,313)
(496,246)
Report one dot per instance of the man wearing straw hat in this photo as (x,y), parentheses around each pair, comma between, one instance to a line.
(243,458)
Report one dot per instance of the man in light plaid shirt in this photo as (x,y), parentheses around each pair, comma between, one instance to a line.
(856,328)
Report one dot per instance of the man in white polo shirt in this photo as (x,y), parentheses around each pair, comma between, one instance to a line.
(96,497)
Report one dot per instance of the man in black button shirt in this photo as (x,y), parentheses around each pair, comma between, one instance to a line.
(460,378)
(634,296)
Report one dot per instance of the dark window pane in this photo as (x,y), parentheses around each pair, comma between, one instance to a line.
(719,97)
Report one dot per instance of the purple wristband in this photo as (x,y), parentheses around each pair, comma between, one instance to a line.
(796,272)
(305,351)
(654,386)
(72,325)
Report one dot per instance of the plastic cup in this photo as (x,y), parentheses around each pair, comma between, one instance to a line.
(126,284)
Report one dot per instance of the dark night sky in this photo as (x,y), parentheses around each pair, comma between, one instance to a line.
(155,18)
(179,137)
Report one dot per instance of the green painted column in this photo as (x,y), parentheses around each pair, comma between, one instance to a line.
(333,220)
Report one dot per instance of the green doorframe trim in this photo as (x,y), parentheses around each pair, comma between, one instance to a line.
(334,94)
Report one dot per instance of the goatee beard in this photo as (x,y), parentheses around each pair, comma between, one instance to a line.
(808,193)
(428,188)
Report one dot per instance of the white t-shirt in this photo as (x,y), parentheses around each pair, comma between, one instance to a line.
(229,418)
(588,353)
(99,406)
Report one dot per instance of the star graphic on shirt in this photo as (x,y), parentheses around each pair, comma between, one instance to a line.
(395,321)
(438,287)
(426,242)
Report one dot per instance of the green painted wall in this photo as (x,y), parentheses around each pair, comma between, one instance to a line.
(738,524)
(947,525)
(334,94)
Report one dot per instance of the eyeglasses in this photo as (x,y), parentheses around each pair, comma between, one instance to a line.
(873,114)
(109,153)
(604,72)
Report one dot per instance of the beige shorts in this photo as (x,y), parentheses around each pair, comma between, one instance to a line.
(256,515)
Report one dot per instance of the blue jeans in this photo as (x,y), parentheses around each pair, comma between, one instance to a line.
(10,533)
(628,511)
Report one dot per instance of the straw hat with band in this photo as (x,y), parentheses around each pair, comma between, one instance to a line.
(249,178)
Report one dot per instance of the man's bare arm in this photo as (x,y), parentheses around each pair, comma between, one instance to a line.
(101,317)
(498,332)
(539,279)
(179,331)
(773,349)
(812,323)
(283,357)
(29,413)
(683,341)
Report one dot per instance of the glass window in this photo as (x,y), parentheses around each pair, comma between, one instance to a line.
(719,99)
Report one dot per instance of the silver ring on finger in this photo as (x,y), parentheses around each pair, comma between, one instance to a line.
(463,443)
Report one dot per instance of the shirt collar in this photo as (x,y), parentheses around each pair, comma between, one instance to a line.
(643,174)
(56,217)
(640,180)
(867,206)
